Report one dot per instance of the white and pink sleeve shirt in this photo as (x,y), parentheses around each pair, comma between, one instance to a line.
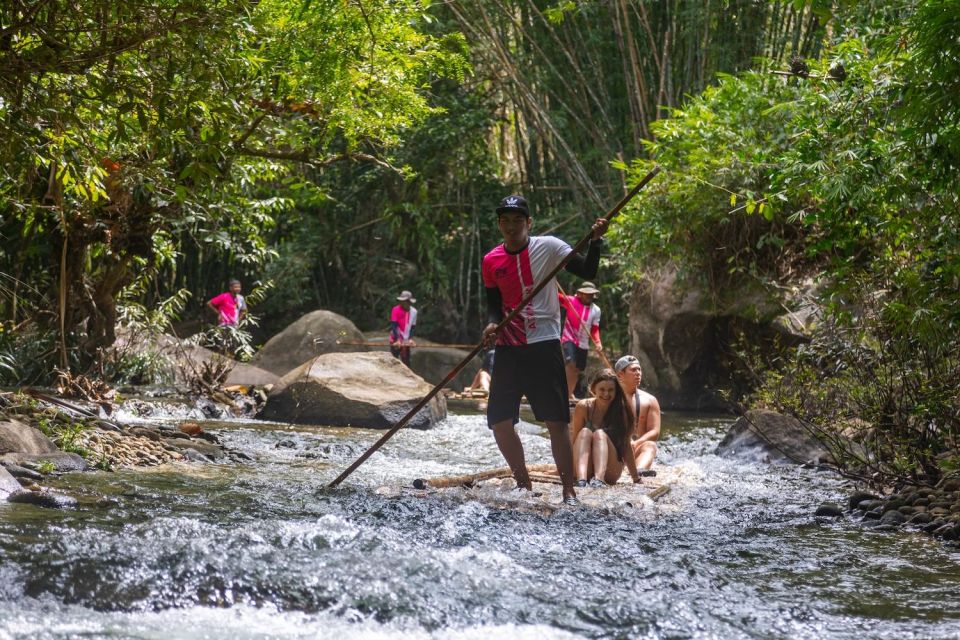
(582,322)
(516,275)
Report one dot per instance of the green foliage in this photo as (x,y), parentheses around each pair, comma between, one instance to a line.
(885,402)
(849,181)
(130,131)
(715,215)
(46,467)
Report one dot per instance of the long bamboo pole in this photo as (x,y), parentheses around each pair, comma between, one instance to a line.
(503,323)
(358,343)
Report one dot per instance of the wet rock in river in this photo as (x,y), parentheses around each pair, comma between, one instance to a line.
(771,437)
(61,461)
(948,531)
(8,484)
(371,390)
(43,499)
(145,432)
(193,455)
(21,472)
(893,517)
(859,497)
(829,510)
(209,450)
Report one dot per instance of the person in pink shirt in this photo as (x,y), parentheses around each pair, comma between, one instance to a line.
(403,317)
(529,360)
(229,306)
(582,325)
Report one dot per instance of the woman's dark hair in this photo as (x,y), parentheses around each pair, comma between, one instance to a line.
(619,418)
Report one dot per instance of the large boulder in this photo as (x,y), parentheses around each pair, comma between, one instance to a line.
(683,337)
(768,436)
(371,390)
(17,437)
(314,334)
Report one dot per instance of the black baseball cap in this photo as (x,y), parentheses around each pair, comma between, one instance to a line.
(514,203)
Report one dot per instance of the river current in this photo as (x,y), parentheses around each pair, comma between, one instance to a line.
(263,550)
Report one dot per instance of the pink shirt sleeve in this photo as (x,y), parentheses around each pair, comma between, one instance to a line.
(487,272)
(219,300)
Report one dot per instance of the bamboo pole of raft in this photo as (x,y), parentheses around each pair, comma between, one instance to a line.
(503,323)
(594,341)
(660,491)
(472,478)
(357,343)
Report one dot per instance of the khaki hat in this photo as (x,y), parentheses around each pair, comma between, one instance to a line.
(406,295)
(588,287)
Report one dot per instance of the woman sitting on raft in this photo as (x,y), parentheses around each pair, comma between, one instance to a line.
(601,431)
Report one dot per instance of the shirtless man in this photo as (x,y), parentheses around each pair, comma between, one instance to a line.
(647,429)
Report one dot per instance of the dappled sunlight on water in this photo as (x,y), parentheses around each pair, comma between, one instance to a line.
(265,550)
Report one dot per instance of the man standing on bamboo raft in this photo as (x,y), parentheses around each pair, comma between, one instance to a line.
(529,359)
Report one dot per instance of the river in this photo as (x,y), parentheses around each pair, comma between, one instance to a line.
(263,550)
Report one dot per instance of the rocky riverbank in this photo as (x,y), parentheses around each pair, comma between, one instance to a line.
(931,510)
(45,436)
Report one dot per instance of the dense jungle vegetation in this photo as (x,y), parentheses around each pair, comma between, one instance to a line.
(333,152)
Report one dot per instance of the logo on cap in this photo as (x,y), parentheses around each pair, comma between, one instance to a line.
(514,203)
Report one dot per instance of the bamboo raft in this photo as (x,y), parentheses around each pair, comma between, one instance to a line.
(495,488)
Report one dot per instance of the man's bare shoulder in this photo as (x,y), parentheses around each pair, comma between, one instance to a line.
(647,400)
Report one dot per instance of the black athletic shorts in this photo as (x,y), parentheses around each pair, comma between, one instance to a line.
(488,359)
(573,353)
(534,370)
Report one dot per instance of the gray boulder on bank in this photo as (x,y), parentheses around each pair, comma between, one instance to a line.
(371,390)
(314,334)
(17,437)
(62,461)
(679,333)
(771,437)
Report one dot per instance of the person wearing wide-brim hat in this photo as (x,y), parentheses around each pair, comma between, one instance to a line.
(403,317)
(529,360)
(581,326)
